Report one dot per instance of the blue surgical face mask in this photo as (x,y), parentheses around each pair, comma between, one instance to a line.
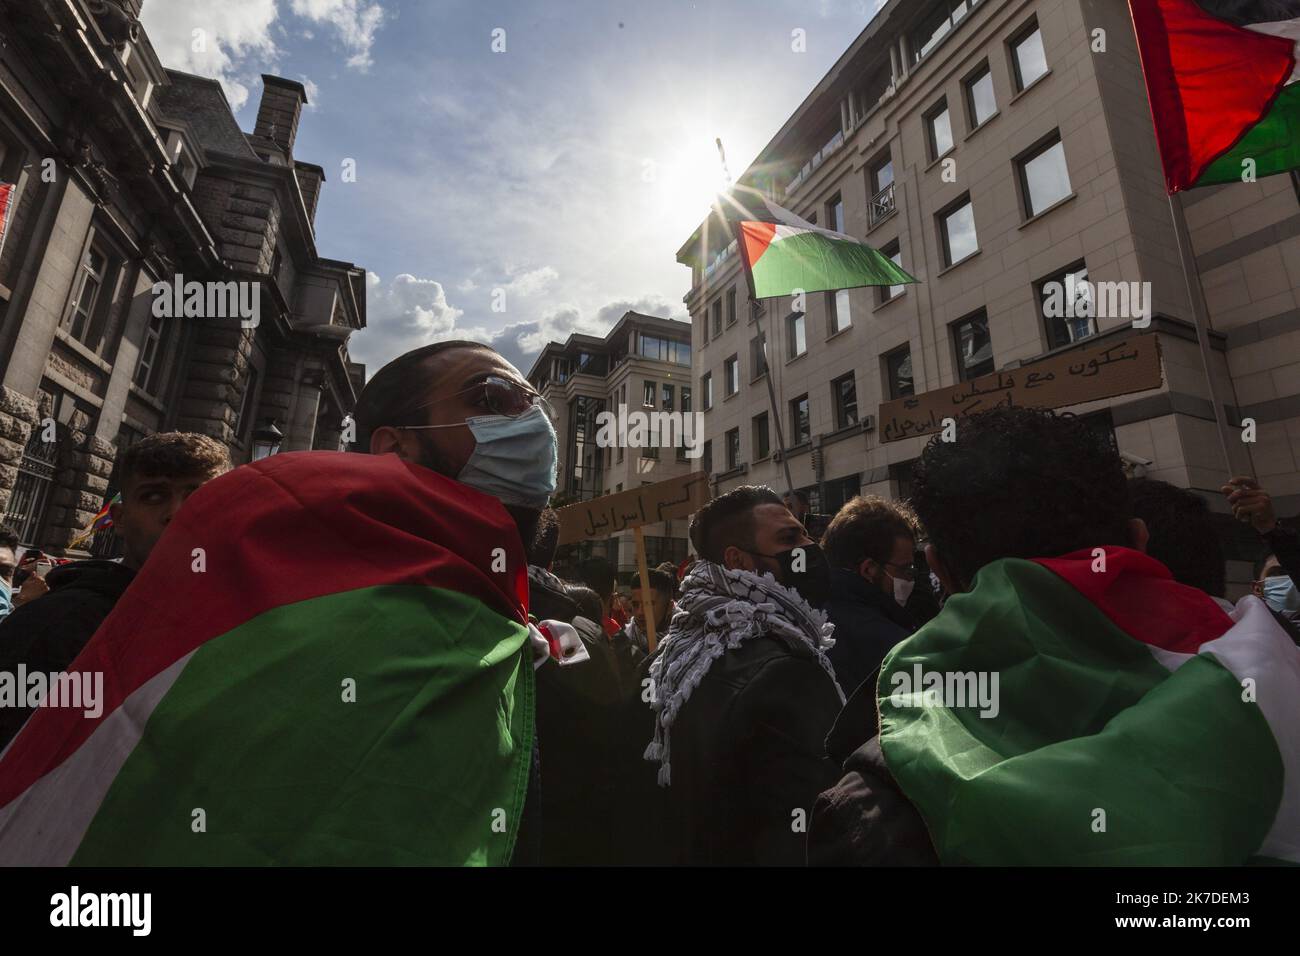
(515,458)
(1281,595)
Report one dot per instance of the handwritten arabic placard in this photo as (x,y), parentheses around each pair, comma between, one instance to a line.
(601,517)
(1130,365)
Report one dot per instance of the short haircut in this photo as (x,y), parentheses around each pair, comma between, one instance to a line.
(597,574)
(8,538)
(396,392)
(867,527)
(546,539)
(1263,559)
(798,496)
(588,602)
(1019,483)
(660,581)
(1182,535)
(729,520)
(173,455)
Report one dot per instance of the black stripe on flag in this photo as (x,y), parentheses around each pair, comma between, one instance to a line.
(1245,12)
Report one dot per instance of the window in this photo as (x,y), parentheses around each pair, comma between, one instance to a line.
(706,460)
(898,373)
(731,306)
(648,395)
(798,338)
(894,253)
(762,447)
(937,24)
(1044,178)
(758,355)
(686,398)
(82,321)
(957,226)
(844,390)
(245,417)
(974,346)
(668,395)
(717,318)
(152,351)
(980,100)
(731,376)
(938,125)
(1028,56)
(660,349)
(1067,306)
(800,425)
(706,388)
(733,449)
(835,214)
(880,186)
(837,308)
(882,175)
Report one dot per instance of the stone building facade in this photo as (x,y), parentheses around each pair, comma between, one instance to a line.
(125,175)
(992,147)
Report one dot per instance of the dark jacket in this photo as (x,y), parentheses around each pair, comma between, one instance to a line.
(868,623)
(1284,542)
(748,757)
(865,819)
(48,633)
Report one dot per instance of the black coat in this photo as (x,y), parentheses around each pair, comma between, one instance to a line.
(48,633)
(748,757)
(868,623)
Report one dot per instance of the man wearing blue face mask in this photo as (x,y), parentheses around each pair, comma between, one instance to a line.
(1278,571)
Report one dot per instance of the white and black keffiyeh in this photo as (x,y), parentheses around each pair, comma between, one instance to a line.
(718,610)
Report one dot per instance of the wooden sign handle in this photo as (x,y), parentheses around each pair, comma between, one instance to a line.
(647,596)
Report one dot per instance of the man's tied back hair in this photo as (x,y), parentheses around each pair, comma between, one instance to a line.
(729,520)
(1019,483)
(173,455)
(396,392)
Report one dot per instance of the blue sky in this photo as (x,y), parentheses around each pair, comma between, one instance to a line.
(557,178)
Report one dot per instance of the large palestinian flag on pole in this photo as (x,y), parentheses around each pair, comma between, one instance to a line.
(784,253)
(324,661)
(1224,86)
(1133,721)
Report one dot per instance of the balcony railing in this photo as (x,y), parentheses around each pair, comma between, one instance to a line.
(881,206)
(818,158)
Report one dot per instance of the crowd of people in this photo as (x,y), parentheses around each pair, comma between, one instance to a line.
(760,729)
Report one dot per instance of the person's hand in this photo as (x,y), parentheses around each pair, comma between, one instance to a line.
(33,587)
(1250,503)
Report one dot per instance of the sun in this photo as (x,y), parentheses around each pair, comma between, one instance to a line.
(690,182)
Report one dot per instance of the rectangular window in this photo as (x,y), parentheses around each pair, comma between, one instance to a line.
(974,346)
(668,395)
(957,227)
(1028,56)
(706,389)
(762,446)
(837,307)
(880,186)
(882,175)
(798,338)
(894,253)
(244,420)
(89,296)
(731,375)
(980,99)
(149,367)
(1044,177)
(731,306)
(1067,306)
(845,392)
(717,318)
(800,423)
(648,395)
(758,355)
(733,449)
(686,398)
(835,214)
(898,373)
(938,125)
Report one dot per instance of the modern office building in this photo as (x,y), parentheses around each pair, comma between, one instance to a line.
(643,365)
(993,148)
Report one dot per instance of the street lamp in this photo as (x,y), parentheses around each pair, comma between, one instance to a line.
(266,439)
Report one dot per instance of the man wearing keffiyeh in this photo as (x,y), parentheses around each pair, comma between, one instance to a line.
(742,691)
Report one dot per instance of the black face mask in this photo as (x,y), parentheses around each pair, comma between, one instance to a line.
(814,582)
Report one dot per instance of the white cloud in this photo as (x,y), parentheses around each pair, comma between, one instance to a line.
(357,22)
(313,92)
(531,283)
(234,34)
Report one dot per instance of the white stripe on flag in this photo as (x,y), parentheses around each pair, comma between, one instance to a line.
(1283,28)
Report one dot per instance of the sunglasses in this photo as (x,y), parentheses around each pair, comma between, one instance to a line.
(498,395)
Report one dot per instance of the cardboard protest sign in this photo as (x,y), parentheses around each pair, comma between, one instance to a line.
(601,517)
(1129,365)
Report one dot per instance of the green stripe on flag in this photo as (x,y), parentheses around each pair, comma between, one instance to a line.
(1273,143)
(815,262)
(434,751)
(1097,755)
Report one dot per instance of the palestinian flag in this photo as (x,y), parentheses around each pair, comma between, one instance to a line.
(1222,79)
(1134,722)
(323,662)
(783,253)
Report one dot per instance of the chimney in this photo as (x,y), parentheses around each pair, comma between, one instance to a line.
(280,110)
(310,176)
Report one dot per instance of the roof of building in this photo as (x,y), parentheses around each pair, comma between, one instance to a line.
(202,103)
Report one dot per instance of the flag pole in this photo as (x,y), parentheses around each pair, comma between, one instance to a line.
(1196,298)
(755,311)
